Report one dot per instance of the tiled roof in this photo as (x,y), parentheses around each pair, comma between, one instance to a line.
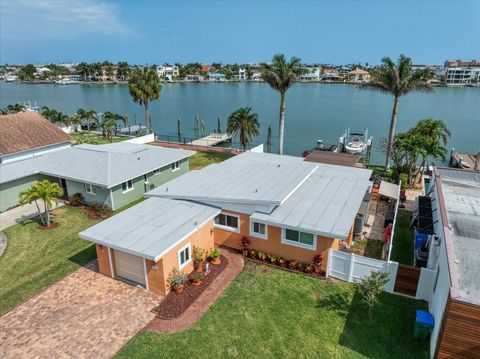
(25,131)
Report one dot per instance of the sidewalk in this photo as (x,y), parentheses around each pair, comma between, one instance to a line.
(196,311)
(19,214)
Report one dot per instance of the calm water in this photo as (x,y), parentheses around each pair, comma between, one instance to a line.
(314,111)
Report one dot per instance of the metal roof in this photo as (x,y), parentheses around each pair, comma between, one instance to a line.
(150,228)
(461,191)
(102,165)
(326,204)
(390,190)
(253,178)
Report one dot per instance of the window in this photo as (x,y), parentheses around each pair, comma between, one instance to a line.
(175,166)
(258,229)
(230,222)
(127,186)
(145,178)
(90,189)
(156,172)
(184,256)
(297,238)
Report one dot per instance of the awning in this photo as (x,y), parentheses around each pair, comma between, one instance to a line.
(388,189)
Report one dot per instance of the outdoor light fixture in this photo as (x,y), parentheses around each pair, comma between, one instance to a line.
(154,267)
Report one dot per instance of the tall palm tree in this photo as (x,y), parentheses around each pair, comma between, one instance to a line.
(11,109)
(144,86)
(244,124)
(59,118)
(88,118)
(109,123)
(281,75)
(123,70)
(48,192)
(398,79)
(83,69)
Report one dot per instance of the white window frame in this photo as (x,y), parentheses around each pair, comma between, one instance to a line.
(180,265)
(255,234)
(145,178)
(89,189)
(298,244)
(227,228)
(128,189)
(175,166)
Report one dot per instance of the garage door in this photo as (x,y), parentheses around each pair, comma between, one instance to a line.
(129,267)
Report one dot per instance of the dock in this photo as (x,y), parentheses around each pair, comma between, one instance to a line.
(465,160)
(212,139)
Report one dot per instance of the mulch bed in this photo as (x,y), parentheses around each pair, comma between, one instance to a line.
(46,228)
(173,305)
(92,215)
(286,268)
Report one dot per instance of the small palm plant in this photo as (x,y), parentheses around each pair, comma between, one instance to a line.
(109,124)
(244,124)
(48,192)
(144,86)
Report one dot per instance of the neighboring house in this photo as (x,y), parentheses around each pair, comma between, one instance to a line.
(310,74)
(115,174)
(286,206)
(217,77)
(460,76)
(358,76)
(453,229)
(168,72)
(242,74)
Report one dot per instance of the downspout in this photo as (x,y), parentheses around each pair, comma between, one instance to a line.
(111,199)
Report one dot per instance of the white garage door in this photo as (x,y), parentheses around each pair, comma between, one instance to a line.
(129,267)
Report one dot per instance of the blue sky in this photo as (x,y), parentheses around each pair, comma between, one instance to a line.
(155,32)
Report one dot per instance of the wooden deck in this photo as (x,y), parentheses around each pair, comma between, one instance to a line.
(212,139)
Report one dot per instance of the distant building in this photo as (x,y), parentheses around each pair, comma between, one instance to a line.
(205,68)
(217,77)
(311,74)
(257,76)
(461,76)
(460,63)
(438,70)
(358,76)
(330,74)
(168,72)
(242,74)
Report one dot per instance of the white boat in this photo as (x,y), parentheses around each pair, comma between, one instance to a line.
(356,146)
(11,78)
(355,143)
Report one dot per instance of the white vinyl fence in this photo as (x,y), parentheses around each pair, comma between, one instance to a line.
(352,268)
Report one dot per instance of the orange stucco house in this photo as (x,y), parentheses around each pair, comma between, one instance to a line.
(286,207)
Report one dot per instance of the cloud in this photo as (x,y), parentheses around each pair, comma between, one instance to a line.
(59,19)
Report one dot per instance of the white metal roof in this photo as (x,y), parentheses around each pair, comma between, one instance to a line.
(150,228)
(248,178)
(102,165)
(390,190)
(326,204)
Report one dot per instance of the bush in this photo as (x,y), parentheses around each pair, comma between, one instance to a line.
(244,242)
(198,277)
(77,200)
(177,278)
(404,179)
(98,209)
(215,253)
(370,288)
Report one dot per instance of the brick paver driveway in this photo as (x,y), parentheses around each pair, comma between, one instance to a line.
(85,315)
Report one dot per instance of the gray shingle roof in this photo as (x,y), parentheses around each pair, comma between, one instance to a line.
(150,228)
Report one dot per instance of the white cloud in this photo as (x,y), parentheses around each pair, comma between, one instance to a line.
(65,19)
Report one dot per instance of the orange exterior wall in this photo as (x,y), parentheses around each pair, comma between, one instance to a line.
(103,260)
(157,279)
(273,244)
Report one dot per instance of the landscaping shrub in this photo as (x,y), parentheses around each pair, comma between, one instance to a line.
(77,200)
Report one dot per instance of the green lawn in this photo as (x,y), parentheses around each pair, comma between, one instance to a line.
(403,241)
(204,158)
(35,259)
(270,313)
(96,139)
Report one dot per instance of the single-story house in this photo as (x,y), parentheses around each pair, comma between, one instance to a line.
(286,207)
(358,76)
(113,174)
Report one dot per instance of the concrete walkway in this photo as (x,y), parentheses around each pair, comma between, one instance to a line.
(85,315)
(19,214)
(196,311)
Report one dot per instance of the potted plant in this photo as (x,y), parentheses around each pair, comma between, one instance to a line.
(317,263)
(293,264)
(198,258)
(177,280)
(215,256)
(282,262)
(244,244)
(197,278)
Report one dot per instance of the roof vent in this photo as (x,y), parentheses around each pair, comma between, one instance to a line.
(166,189)
(196,223)
(256,190)
(138,158)
(278,165)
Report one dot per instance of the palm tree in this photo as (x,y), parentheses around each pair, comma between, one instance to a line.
(48,113)
(281,75)
(11,109)
(123,70)
(398,79)
(144,86)
(46,191)
(109,124)
(87,118)
(269,139)
(83,69)
(59,118)
(244,124)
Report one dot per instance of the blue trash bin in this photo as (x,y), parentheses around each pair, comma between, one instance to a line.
(424,323)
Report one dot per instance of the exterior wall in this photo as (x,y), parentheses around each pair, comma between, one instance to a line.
(273,244)
(460,337)
(9,191)
(102,195)
(34,152)
(166,174)
(103,260)
(157,279)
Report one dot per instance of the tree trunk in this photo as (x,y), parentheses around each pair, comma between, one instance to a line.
(391,134)
(39,212)
(147,116)
(47,213)
(281,124)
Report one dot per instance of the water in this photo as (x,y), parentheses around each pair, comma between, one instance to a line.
(314,111)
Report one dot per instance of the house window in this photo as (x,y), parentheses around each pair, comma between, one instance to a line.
(175,166)
(297,238)
(145,178)
(258,229)
(127,186)
(184,256)
(229,222)
(156,172)
(90,189)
